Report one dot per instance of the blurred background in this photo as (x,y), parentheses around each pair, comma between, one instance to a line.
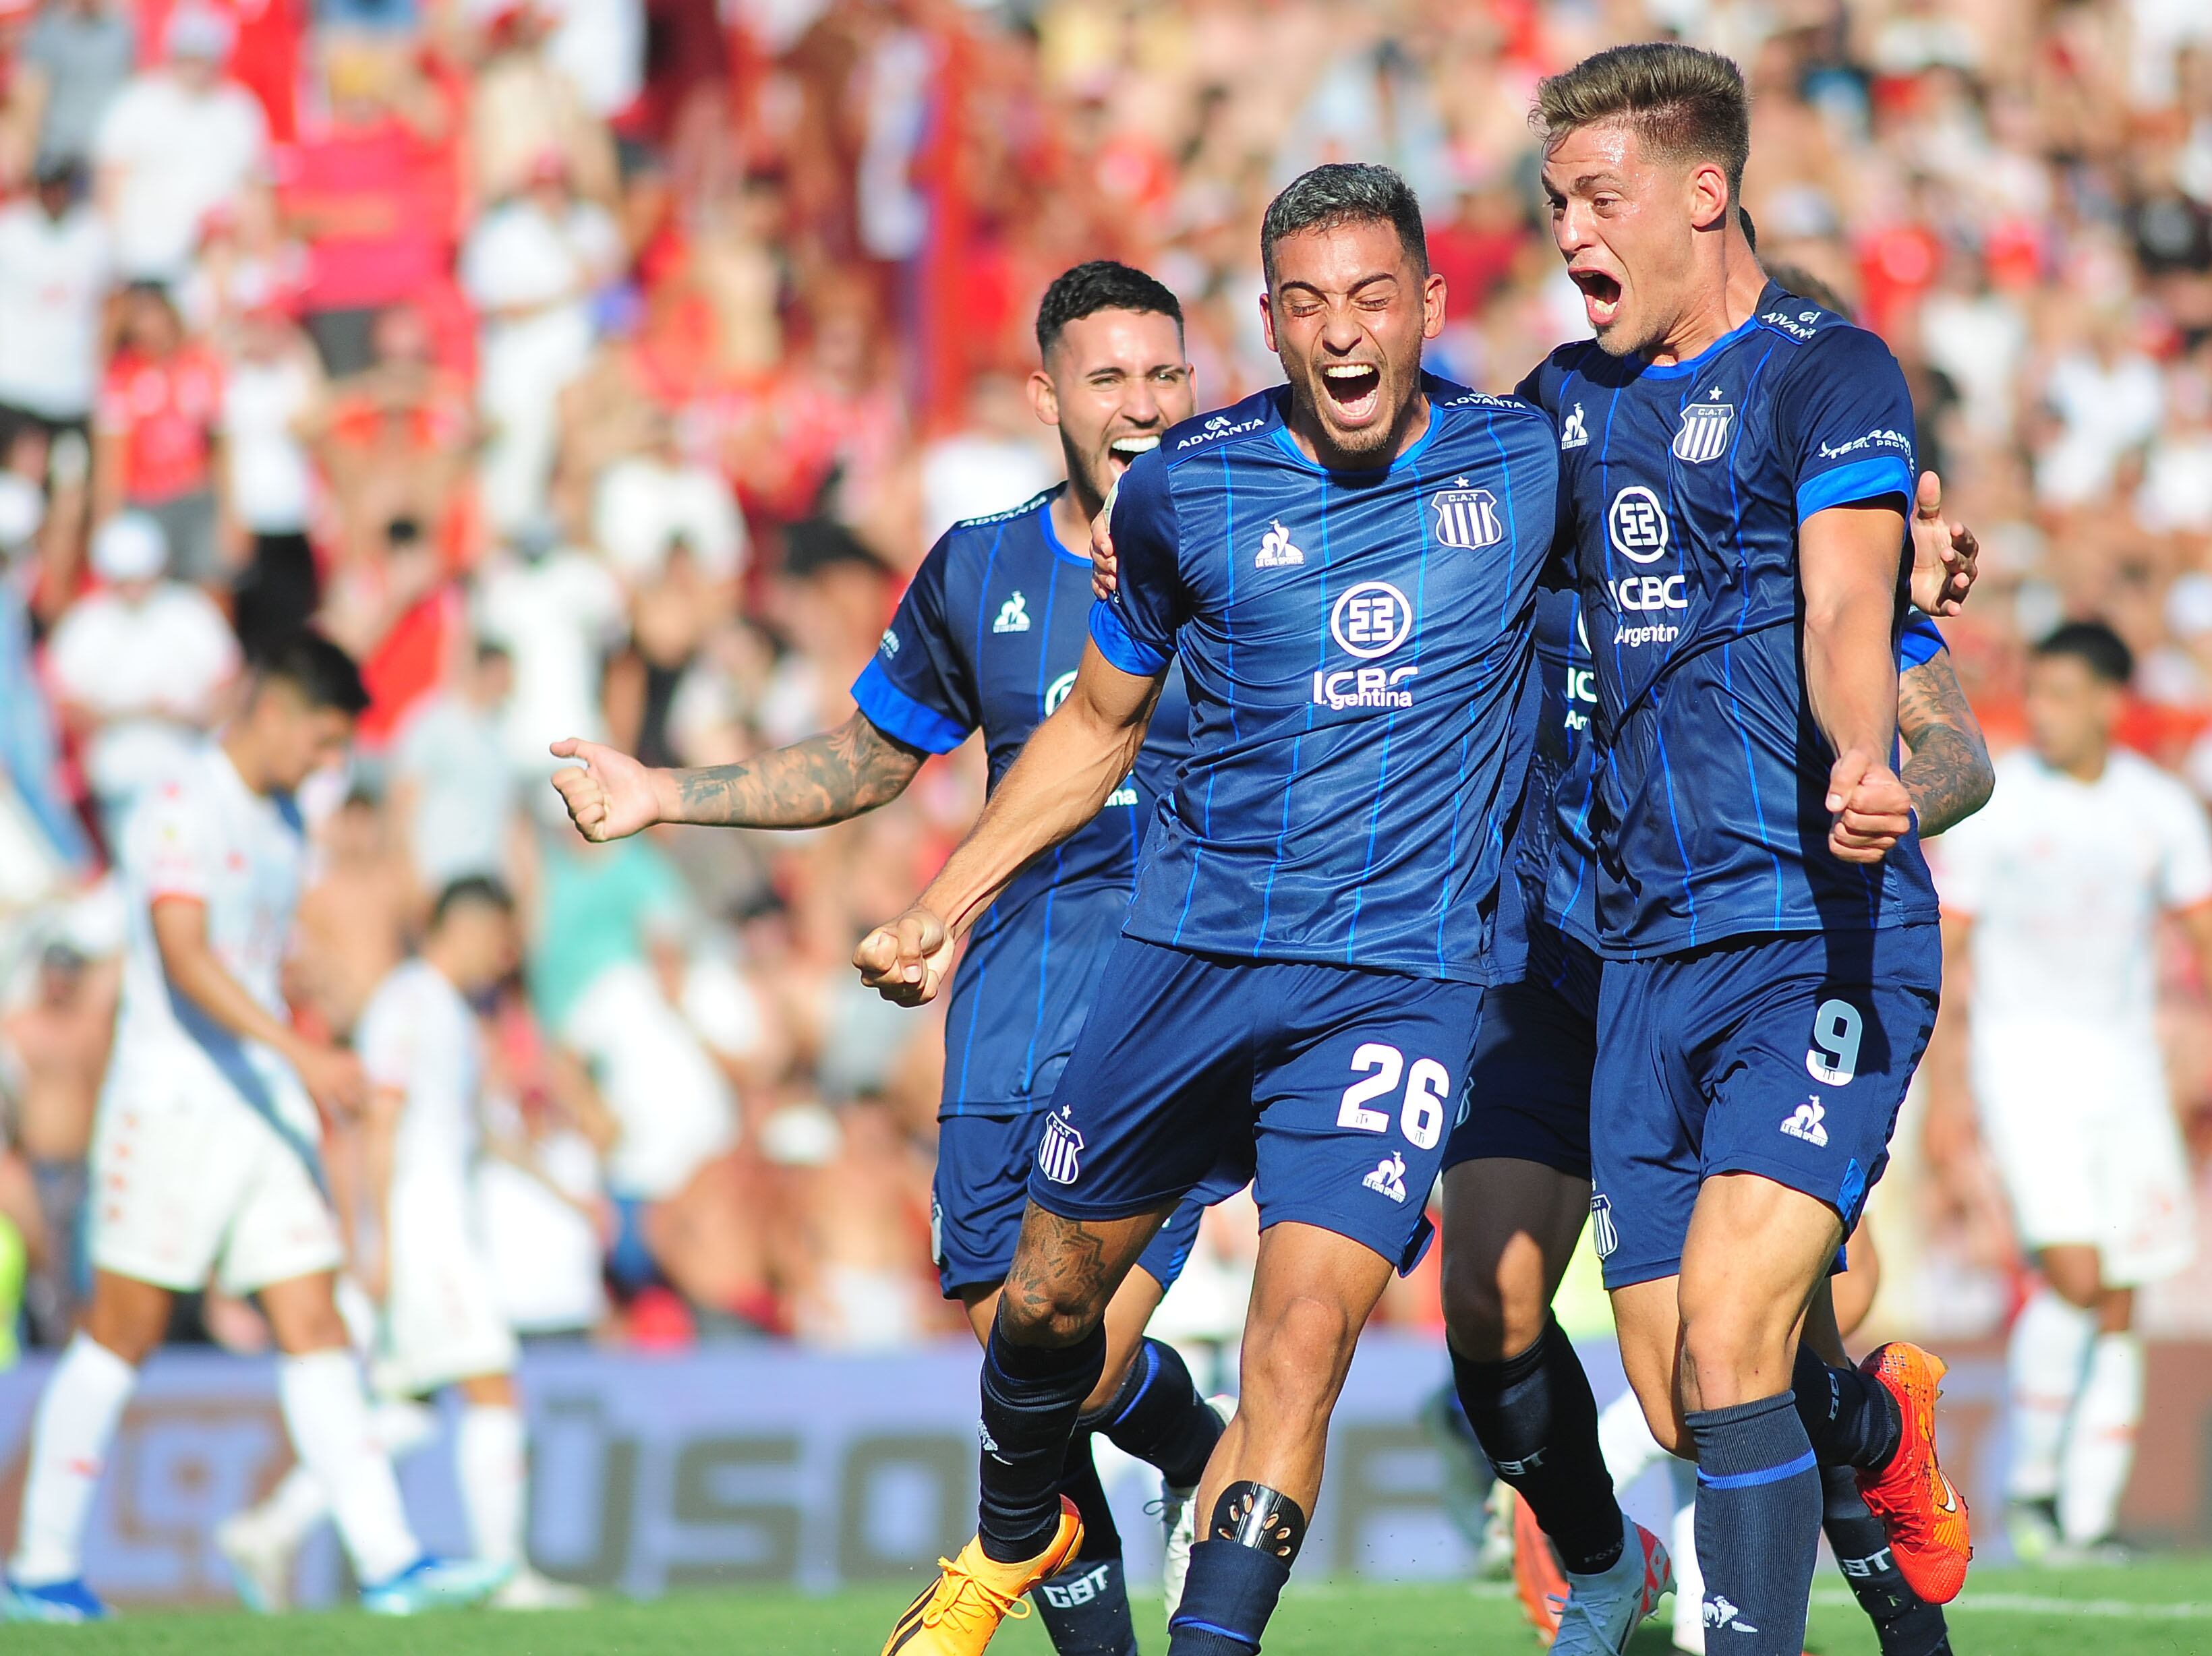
(601,367)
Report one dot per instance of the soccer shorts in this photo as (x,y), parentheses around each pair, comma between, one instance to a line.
(1529,1088)
(442,1320)
(2080,1125)
(982,1186)
(1330,1087)
(1788,1056)
(190,1181)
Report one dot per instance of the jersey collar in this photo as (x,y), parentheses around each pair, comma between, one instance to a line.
(1046,501)
(1697,363)
(1429,388)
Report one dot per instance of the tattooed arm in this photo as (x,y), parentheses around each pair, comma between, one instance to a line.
(1947,774)
(825,779)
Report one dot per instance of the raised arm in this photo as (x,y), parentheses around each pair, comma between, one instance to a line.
(1947,767)
(1848,562)
(825,779)
(1071,764)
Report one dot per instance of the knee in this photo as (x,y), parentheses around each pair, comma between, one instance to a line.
(1492,1311)
(310,1328)
(1048,1314)
(1296,1356)
(2075,1277)
(1725,1348)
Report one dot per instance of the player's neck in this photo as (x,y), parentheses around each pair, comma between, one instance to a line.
(1725,298)
(1071,517)
(2087,766)
(238,748)
(1312,438)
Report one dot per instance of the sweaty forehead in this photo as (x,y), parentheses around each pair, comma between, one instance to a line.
(1603,148)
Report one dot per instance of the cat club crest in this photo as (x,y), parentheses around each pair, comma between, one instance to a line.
(1467,517)
(1704,431)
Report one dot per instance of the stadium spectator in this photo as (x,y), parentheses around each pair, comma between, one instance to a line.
(140,667)
(175,143)
(79,54)
(157,431)
(451,790)
(55,269)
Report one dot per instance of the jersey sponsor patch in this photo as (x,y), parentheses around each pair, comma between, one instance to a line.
(1636,523)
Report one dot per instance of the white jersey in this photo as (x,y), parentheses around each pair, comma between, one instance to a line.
(200,833)
(2064,880)
(418,1036)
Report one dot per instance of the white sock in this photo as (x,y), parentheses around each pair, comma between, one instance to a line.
(495,1479)
(328,1417)
(298,1502)
(2046,1360)
(69,1435)
(1682,1548)
(1624,1437)
(2100,1444)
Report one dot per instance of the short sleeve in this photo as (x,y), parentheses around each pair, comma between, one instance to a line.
(173,844)
(2185,864)
(1844,423)
(916,688)
(1919,643)
(1135,629)
(384,1043)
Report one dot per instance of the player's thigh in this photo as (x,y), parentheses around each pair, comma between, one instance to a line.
(1805,1047)
(2149,1206)
(1646,1123)
(442,1321)
(1355,1087)
(976,1199)
(281,1226)
(1155,1100)
(127,1316)
(169,1167)
(303,1313)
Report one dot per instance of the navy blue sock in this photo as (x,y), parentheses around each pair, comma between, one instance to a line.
(1536,1420)
(1031,1396)
(1158,1416)
(1227,1599)
(1851,1417)
(1906,1624)
(1758,1526)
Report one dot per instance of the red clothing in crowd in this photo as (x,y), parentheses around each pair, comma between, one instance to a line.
(382,195)
(166,410)
(264,57)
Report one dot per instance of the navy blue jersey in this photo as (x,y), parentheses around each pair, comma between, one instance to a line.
(1356,647)
(1684,486)
(988,637)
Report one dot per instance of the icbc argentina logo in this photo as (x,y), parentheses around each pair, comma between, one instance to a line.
(1369,620)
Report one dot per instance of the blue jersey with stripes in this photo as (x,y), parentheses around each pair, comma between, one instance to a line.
(1554,859)
(988,638)
(1356,645)
(1684,486)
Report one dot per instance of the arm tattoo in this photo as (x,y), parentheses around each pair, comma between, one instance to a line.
(825,779)
(1947,774)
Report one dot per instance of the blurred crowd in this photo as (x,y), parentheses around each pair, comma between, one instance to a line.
(599,367)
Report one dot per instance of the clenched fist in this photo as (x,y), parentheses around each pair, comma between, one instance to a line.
(1870,808)
(610,795)
(906,961)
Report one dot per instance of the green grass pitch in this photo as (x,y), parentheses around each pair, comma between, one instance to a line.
(2158,1609)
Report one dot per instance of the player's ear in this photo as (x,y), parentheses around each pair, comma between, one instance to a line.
(1044,396)
(1266,321)
(1709,196)
(1432,305)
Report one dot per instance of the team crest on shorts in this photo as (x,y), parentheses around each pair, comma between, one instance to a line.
(1467,518)
(1060,1156)
(1603,1237)
(1704,430)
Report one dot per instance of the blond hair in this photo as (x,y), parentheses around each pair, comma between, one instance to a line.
(1684,103)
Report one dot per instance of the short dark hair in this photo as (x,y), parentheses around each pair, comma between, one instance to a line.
(2095,645)
(1796,279)
(321,672)
(1344,193)
(1100,284)
(1686,104)
(480,888)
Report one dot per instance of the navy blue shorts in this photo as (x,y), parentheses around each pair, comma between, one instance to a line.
(1330,1087)
(1528,1089)
(982,1185)
(1788,1056)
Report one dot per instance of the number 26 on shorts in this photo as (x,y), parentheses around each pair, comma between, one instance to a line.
(1420,1116)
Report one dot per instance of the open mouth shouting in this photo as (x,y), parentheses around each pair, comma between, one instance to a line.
(1353,391)
(1122,453)
(1600,296)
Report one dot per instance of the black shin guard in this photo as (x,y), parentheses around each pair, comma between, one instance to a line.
(1237,1572)
(1536,1420)
(1906,1624)
(1158,1416)
(1031,1395)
